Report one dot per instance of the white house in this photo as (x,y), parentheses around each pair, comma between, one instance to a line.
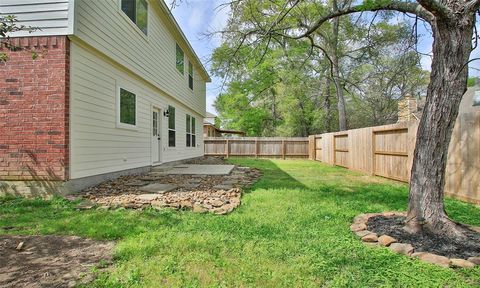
(113,88)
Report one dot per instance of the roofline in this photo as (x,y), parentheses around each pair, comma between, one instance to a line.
(167,11)
(224,131)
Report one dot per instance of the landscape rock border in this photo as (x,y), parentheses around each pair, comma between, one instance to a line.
(217,194)
(359,227)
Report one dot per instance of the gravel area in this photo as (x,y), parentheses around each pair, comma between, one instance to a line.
(219,194)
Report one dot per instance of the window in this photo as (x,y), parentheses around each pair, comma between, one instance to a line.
(127,107)
(137,11)
(191,139)
(180,59)
(171,126)
(155,123)
(190,75)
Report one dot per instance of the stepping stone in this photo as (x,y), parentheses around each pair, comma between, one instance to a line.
(148,178)
(230,182)
(194,181)
(137,183)
(85,205)
(157,174)
(158,188)
(223,187)
(147,197)
(243,168)
(191,186)
(199,176)
(232,177)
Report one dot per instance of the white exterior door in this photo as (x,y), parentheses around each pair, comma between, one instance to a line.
(156,136)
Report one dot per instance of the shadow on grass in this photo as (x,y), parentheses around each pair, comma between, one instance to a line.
(318,184)
(59,216)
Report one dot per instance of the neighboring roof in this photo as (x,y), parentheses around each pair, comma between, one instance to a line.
(224,131)
(174,22)
(210,115)
(466,105)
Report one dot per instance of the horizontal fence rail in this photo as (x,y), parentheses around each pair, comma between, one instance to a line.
(258,147)
(387,151)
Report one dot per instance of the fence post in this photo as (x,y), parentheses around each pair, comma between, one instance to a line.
(228,148)
(283,149)
(374,158)
(312,149)
(256,147)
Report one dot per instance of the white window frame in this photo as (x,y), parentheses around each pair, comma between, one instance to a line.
(117,105)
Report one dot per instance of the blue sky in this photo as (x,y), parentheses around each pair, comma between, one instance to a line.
(199,17)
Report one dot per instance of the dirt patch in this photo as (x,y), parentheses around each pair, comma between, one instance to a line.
(425,241)
(50,261)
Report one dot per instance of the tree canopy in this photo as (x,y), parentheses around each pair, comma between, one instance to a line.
(279,86)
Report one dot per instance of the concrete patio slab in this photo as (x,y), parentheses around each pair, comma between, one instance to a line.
(158,188)
(193,169)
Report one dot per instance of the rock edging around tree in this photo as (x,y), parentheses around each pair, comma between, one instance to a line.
(360,228)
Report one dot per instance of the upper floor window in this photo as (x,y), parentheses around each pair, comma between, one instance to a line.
(190,75)
(180,59)
(137,11)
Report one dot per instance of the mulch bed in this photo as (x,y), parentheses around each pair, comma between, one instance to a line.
(425,241)
(50,261)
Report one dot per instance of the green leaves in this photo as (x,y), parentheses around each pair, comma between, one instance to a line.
(372,4)
(281,86)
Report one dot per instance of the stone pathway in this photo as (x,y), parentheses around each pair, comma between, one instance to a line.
(219,194)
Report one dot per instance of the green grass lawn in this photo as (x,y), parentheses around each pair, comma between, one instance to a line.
(292,230)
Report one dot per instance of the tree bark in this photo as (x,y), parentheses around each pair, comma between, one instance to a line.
(342,114)
(327,105)
(448,83)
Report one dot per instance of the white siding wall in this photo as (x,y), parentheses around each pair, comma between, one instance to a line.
(105,27)
(97,145)
(52,17)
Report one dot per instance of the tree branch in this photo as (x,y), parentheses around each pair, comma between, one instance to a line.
(436,8)
(405,7)
(473,5)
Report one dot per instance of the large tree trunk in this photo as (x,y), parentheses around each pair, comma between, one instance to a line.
(327,105)
(342,113)
(448,83)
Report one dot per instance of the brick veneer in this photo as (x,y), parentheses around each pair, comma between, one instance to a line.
(34,109)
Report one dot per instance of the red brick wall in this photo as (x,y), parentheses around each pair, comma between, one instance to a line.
(34,109)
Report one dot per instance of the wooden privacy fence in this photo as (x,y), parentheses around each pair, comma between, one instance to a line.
(259,147)
(387,151)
